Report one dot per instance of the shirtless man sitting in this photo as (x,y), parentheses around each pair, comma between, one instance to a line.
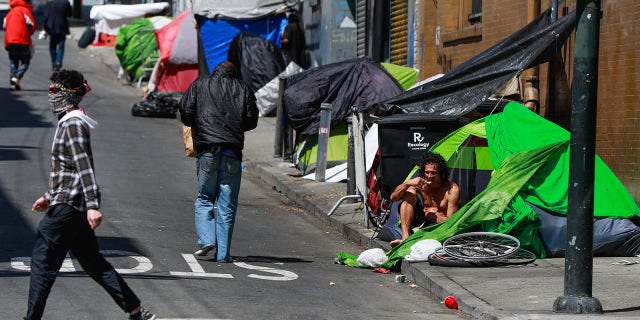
(429,198)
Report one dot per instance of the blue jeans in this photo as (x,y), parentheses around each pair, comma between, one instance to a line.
(219,177)
(64,228)
(19,59)
(56,48)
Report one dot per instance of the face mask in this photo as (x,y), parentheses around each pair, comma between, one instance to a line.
(60,100)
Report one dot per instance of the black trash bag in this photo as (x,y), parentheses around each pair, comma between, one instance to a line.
(156,106)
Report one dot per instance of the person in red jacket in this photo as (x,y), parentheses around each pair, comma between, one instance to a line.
(19,25)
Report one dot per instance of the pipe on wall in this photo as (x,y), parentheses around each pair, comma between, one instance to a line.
(531,76)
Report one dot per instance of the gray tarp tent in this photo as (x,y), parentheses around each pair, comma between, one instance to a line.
(240,9)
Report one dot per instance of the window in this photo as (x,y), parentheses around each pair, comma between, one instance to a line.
(476,12)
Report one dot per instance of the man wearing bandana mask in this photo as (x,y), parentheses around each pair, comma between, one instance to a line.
(72,205)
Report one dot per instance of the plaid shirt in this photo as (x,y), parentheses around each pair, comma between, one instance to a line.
(72,180)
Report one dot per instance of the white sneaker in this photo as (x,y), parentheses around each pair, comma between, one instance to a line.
(204,251)
(15,83)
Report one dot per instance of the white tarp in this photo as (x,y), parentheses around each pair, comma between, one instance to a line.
(240,9)
(109,18)
(267,96)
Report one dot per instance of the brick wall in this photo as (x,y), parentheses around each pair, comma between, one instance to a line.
(618,131)
(618,128)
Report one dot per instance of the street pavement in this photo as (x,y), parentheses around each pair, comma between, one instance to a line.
(515,292)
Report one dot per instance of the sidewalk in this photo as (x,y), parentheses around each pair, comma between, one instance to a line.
(519,292)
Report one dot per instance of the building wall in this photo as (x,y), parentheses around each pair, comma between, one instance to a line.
(617,132)
(618,129)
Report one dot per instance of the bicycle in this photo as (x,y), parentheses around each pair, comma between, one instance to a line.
(481,249)
(481,245)
(442,259)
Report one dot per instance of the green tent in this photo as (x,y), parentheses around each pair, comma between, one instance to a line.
(406,76)
(531,160)
(306,152)
(136,46)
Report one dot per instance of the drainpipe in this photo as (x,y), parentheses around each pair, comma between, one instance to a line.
(551,78)
(531,76)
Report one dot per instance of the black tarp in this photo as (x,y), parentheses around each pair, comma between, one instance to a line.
(358,83)
(463,88)
(258,60)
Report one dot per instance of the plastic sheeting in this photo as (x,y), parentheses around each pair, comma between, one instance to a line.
(240,9)
(462,89)
(267,96)
(358,83)
(258,60)
(110,17)
(137,42)
(178,63)
(216,34)
(261,63)
(178,40)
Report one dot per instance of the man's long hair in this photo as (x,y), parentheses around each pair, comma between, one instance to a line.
(432,157)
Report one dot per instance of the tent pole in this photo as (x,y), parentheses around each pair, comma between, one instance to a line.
(578,275)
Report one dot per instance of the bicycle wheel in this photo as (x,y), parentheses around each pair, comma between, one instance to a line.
(481,245)
(520,257)
(441,259)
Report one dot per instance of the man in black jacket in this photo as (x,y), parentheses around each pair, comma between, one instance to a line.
(57,27)
(219,109)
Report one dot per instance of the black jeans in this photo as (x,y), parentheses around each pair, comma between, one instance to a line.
(64,228)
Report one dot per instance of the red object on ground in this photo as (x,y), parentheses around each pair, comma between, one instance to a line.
(451,302)
(381,270)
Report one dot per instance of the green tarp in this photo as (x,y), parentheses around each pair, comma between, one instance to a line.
(135,41)
(531,155)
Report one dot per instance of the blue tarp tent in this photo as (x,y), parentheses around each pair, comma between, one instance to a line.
(221,20)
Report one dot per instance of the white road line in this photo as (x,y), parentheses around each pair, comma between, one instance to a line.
(144,264)
(284,274)
(192,262)
(197,270)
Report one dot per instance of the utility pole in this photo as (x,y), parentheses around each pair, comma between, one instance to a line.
(578,273)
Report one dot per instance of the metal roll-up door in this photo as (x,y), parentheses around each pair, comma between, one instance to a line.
(399,32)
(361,28)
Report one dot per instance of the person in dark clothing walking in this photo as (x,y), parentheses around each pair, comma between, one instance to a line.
(72,205)
(56,25)
(19,25)
(219,109)
(293,41)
